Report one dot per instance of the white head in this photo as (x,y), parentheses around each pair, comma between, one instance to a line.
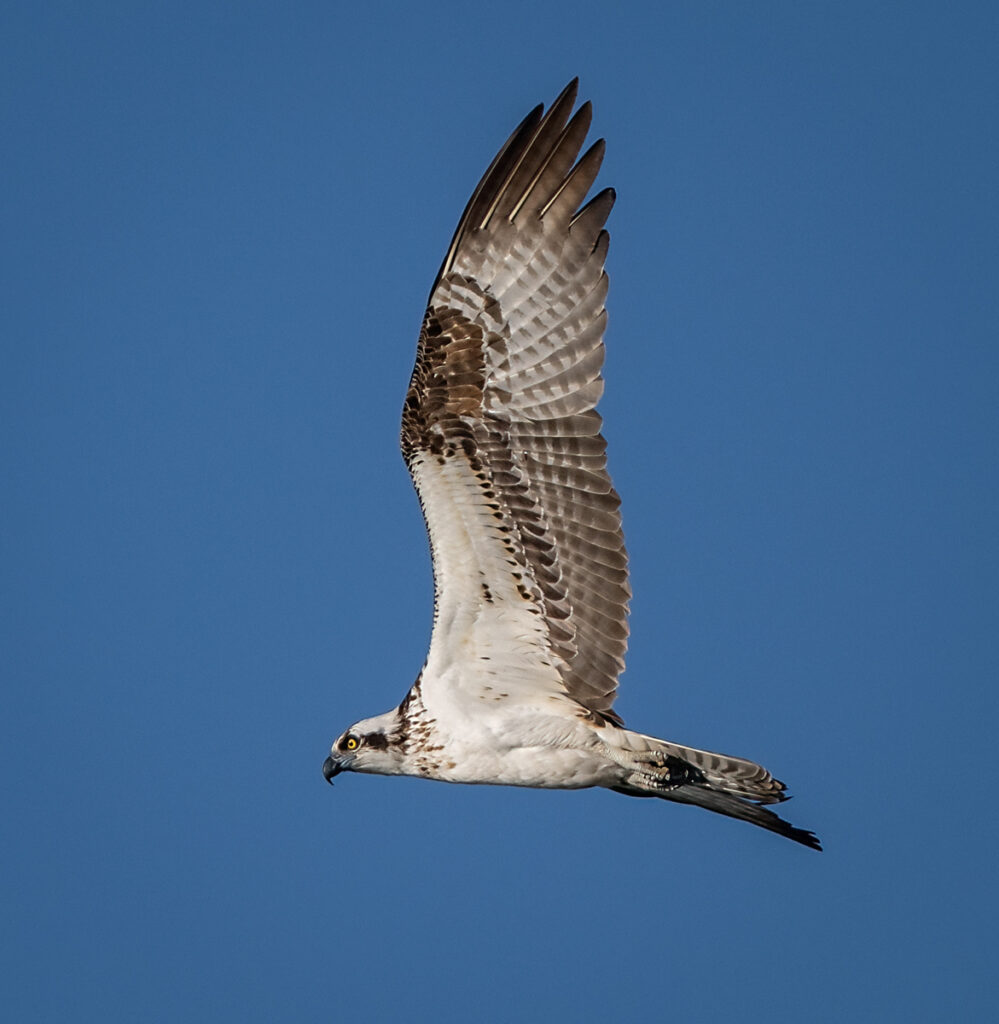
(373,745)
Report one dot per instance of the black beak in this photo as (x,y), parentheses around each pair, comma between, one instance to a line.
(330,768)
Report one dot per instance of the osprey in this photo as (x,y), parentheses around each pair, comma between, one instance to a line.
(502,439)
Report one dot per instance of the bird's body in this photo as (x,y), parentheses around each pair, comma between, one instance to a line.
(502,439)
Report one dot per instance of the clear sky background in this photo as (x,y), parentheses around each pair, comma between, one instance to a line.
(220,223)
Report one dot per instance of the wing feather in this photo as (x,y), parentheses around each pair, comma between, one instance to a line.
(501,433)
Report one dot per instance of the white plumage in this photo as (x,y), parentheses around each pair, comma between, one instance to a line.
(502,439)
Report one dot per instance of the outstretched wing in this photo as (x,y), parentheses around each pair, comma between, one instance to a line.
(501,436)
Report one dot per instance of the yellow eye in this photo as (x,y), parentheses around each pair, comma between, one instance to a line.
(352,743)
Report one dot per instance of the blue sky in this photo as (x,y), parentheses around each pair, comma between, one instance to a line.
(221,222)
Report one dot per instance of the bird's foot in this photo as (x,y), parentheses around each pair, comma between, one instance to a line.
(657,770)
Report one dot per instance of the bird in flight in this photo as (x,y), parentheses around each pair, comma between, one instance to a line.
(502,438)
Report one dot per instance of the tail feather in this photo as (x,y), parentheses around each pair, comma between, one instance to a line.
(730,774)
(728,785)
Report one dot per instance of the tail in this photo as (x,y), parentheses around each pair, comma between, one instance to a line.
(728,785)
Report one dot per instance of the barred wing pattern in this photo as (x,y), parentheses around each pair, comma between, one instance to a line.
(500,432)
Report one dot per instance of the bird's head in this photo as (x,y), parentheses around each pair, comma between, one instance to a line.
(371,745)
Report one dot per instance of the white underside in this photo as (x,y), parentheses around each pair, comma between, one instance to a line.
(524,748)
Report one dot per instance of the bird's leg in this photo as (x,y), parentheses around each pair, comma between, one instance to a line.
(652,769)
(646,769)
(654,757)
(657,770)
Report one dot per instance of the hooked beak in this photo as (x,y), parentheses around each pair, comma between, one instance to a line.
(331,768)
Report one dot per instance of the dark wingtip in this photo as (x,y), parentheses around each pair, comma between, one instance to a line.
(806,838)
(734,806)
(571,88)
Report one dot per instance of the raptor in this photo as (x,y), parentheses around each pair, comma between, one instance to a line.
(502,438)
